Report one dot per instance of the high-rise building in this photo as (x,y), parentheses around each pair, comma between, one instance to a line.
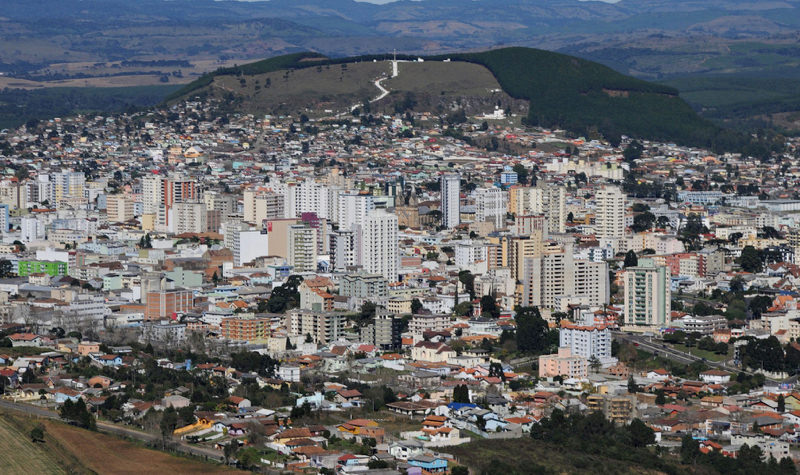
(190,217)
(378,244)
(647,295)
(384,331)
(302,248)
(353,209)
(224,203)
(323,327)
(247,328)
(450,187)
(68,184)
(554,276)
(610,213)
(248,245)
(556,210)
(490,205)
(152,193)
(163,303)
(260,205)
(343,250)
(119,208)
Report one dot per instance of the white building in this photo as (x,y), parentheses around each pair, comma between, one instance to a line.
(450,186)
(248,245)
(490,205)
(378,246)
(610,213)
(557,279)
(190,217)
(31,229)
(353,210)
(587,341)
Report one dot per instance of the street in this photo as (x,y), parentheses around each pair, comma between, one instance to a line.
(665,350)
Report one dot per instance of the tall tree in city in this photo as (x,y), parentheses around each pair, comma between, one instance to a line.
(531,330)
(631,260)
(750,260)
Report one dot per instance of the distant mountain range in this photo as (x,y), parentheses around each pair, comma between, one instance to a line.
(109,29)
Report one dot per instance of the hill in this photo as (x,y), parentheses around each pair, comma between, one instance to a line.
(581,95)
(561,91)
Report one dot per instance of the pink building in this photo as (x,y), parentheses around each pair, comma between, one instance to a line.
(563,364)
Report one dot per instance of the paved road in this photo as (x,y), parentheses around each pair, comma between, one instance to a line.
(669,352)
(180,446)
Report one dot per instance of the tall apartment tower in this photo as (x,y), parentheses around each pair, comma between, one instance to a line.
(353,209)
(378,245)
(556,211)
(647,295)
(490,205)
(451,199)
(303,248)
(610,213)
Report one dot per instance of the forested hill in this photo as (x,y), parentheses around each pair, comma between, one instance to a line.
(583,96)
(572,93)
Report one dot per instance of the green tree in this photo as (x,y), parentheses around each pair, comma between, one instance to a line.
(633,151)
(416,306)
(630,259)
(594,364)
(661,398)
(6,268)
(37,433)
(168,423)
(531,330)
(640,434)
(461,394)
(522,173)
(468,281)
(489,307)
(286,296)
(632,386)
(750,261)
(459,470)
(781,404)
(690,449)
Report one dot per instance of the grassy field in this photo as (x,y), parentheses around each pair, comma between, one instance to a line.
(68,449)
(709,355)
(19,455)
(337,87)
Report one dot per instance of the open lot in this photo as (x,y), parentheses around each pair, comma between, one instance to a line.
(104,454)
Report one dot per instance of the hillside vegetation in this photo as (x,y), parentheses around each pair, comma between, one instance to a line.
(583,96)
(563,91)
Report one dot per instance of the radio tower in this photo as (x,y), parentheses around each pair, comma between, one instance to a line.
(394,64)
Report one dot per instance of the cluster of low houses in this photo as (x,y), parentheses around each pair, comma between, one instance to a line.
(703,408)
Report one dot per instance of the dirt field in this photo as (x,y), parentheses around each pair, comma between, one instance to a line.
(109,455)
